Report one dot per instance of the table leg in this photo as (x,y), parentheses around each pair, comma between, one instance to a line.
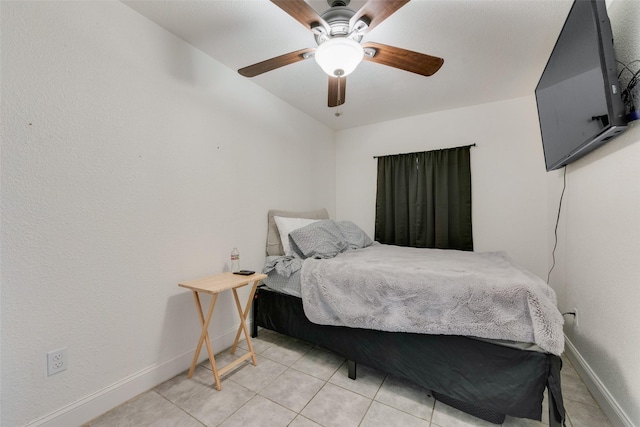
(204,337)
(243,324)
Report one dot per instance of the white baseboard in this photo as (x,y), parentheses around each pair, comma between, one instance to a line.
(609,405)
(96,404)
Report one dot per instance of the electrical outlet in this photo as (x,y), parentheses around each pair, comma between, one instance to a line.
(56,361)
(575,317)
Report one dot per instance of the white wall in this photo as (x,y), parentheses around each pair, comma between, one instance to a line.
(603,250)
(509,182)
(130,162)
(603,267)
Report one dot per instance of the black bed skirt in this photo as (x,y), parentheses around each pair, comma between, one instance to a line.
(484,379)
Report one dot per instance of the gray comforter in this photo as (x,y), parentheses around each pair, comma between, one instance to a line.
(432,291)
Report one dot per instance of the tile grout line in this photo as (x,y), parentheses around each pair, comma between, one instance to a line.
(433,409)
(176,406)
(373,399)
(298,413)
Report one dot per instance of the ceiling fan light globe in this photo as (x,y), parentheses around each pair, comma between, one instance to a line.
(339,56)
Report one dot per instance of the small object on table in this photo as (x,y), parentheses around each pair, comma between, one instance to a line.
(245,272)
(214,285)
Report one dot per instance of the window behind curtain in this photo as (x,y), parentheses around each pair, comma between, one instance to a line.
(424,199)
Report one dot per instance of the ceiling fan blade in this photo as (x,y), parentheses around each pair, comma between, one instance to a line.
(376,11)
(273,63)
(404,59)
(337,90)
(303,13)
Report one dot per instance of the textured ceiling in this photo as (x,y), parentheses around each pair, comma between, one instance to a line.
(492,50)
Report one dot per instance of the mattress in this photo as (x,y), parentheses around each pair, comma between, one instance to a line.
(289,285)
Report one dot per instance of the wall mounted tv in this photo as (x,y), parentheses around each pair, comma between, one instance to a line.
(578,95)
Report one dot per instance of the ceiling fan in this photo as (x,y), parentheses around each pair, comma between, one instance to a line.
(338,32)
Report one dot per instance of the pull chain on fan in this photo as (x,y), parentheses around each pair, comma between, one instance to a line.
(338,111)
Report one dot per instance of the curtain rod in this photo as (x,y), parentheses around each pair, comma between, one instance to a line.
(416,152)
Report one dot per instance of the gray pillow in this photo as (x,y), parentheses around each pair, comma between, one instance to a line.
(355,236)
(274,245)
(321,239)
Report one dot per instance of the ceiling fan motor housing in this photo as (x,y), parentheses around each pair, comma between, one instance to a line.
(338,18)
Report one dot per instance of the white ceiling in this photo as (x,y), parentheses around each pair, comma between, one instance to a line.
(492,50)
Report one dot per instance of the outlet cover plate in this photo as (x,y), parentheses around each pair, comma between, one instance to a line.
(56,361)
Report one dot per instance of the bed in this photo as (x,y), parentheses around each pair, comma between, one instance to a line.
(486,374)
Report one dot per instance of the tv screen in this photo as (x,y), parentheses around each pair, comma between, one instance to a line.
(578,96)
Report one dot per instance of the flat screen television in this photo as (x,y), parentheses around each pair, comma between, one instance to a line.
(578,95)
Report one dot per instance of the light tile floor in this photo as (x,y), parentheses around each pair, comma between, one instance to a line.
(299,385)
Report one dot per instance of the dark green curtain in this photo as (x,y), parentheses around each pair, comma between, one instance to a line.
(424,199)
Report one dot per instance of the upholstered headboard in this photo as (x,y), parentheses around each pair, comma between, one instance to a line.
(274,245)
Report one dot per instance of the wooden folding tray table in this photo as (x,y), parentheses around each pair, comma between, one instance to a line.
(214,285)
